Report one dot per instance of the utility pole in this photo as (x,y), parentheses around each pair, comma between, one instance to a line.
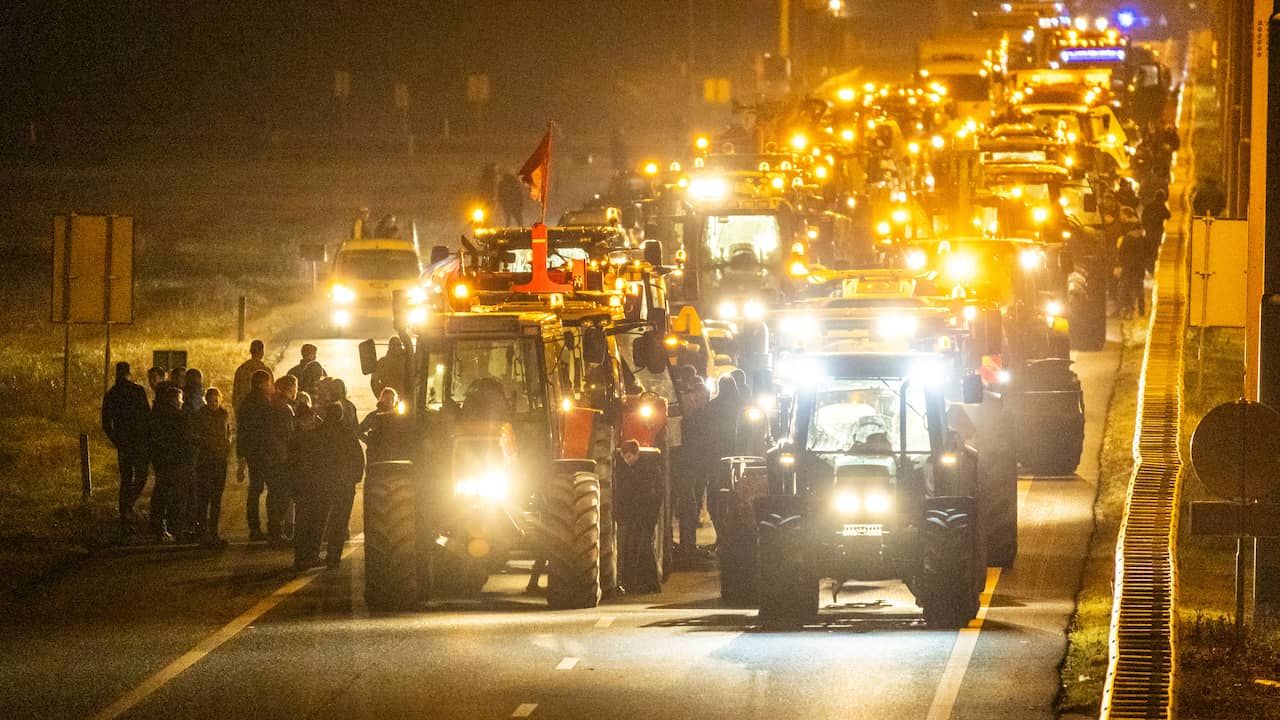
(1264,229)
(784,28)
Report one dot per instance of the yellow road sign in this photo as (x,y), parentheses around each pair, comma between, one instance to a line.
(92,269)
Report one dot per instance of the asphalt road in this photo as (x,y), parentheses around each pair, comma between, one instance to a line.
(169,632)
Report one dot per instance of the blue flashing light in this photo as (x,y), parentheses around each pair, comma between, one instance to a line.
(1126,19)
(1092,55)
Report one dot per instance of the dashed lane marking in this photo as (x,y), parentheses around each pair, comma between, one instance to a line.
(525,710)
(605,621)
(567,663)
(135,696)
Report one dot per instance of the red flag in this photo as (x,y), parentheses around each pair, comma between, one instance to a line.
(536,171)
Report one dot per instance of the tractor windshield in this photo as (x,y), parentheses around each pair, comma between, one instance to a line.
(865,416)
(495,379)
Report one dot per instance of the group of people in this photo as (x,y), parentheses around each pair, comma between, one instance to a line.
(501,192)
(1133,220)
(181,430)
(296,438)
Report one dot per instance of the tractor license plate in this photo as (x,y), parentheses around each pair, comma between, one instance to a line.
(863,530)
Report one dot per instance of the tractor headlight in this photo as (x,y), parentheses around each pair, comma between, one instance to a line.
(341,318)
(877,503)
(416,295)
(848,503)
(708,188)
(645,411)
(754,414)
(491,486)
(727,310)
(752,310)
(418,316)
(797,326)
(1053,308)
(342,294)
(961,267)
(1030,259)
(916,260)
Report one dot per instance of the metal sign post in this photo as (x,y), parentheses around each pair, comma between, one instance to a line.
(1235,451)
(92,264)
(1205,273)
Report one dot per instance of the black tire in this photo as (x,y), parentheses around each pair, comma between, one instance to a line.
(390,541)
(787,590)
(571,539)
(952,571)
(602,447)
(1057,448)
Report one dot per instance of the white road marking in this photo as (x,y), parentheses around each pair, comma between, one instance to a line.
(944,698)
(525,710)
(605,621)
(135,696)
(567,663)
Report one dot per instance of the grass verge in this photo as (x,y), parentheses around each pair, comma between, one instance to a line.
(1217,671)
(181,302)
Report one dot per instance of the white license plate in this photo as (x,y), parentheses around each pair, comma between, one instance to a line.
(862,530)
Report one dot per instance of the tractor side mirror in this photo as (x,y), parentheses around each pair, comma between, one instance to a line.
(400,310)
(653,252)
(438,253)
(595,349)
(368,356)
(658,318)
(1090,203)
(971,389)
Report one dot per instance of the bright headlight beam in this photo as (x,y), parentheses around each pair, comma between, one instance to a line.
(848,503)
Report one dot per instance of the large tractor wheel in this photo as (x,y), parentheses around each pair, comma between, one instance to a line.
(390,540)
(602,451)
(952,570)
(571,536)
(788,591)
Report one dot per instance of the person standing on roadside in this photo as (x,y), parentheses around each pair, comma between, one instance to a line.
(350,416)
(1154,215)
(259,447)
(307,458)
(193,391)
(1132,253)
(308,371)
(637,509)
(213,445)
(342,469)
(125,413)
(156,376)
(390,371)
(242,384)
(172,451)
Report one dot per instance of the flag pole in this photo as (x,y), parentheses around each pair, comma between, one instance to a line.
(546,193)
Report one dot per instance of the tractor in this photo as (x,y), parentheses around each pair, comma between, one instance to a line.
(507,443)
(868,483)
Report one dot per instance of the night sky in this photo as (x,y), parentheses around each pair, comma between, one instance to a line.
(162,63)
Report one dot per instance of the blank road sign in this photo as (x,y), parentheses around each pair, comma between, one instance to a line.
(92,269)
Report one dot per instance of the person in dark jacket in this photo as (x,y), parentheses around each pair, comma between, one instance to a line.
(125,413)
(1154,215)
(308,371)
(725,413)
(306,465)
(636,508)
(391,368)
(172,450)
(1132,254)
(338,390)
(212,427)
(262,441)
(334,466)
